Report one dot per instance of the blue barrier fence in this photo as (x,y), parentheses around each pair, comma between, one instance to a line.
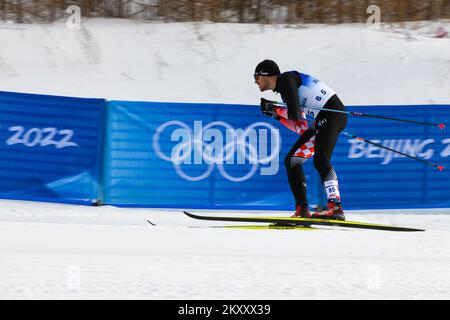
(207,155)
(51,148)
(197,155)
(371,177)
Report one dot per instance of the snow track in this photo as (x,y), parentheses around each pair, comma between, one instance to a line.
(63,251)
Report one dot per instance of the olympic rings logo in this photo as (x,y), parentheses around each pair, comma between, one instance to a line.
(207,144)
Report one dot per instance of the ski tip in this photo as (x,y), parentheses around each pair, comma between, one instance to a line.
(441,168)
(418,230)
(188,213)
(151,223)
(441,126)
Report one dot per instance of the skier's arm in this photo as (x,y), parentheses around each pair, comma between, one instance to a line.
(288,86)
(268,108)
(298,126)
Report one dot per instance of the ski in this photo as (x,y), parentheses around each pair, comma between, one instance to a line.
(269,227)
(305,222)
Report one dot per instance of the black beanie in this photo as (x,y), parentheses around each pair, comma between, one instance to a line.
(267,68)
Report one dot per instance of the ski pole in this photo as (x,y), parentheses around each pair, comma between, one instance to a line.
(440,168)
(440,125)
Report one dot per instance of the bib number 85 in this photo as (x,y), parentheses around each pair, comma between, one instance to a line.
(41,137)
(318,98)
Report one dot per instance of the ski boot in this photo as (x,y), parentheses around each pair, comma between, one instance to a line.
(333,212)
(302,211)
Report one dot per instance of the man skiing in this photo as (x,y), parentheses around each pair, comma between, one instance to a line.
(306,95)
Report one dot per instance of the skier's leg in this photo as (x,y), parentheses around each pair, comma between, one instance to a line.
(325,142)
(329,125)
(296,177)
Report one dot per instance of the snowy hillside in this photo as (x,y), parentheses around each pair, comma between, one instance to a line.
(184,62)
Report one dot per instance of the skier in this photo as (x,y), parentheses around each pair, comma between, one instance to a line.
(302,94)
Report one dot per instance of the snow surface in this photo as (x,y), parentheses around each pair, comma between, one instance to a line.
(55,251)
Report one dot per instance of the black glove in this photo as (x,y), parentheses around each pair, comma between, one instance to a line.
(268,108)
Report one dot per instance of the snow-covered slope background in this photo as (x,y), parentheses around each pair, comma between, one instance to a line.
(65,251)
(185,62)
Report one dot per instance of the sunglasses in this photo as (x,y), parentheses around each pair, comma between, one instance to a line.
(259,73)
